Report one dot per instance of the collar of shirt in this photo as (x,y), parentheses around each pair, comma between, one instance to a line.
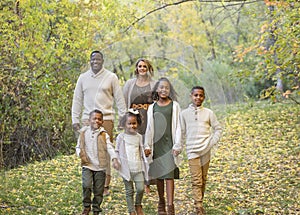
(98,73)
(195,107)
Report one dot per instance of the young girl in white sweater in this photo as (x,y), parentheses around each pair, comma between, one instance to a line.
(134,167)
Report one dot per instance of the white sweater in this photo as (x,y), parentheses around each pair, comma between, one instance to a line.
(176,131)
(201,130)
(97,91)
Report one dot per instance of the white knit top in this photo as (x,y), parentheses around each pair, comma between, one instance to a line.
(201,130)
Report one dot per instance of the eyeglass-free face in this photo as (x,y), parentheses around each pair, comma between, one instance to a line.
(96,62)
(198,97)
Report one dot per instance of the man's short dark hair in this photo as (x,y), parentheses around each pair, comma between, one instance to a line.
(96,52)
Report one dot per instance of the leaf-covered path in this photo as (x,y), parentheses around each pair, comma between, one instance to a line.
(254,170)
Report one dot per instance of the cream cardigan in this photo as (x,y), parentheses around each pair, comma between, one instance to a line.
(176,132)
(122,157)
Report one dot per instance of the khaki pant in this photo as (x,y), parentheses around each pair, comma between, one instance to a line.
(199,169)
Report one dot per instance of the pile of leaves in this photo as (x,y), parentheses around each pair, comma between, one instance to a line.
(254,170)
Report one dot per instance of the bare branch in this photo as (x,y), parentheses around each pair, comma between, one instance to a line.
(236,2)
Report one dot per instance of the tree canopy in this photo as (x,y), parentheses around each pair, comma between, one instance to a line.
(237,50)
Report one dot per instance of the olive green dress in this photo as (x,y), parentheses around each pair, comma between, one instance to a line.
(163,161)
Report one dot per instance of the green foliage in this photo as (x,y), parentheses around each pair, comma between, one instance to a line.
(254,170)
(277,50)
(45,45)
(40,57)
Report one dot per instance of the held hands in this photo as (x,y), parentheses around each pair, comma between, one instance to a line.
(116,164)
(147,152)
(176,152)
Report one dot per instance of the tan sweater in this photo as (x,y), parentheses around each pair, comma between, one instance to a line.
(97,91)
(201,129)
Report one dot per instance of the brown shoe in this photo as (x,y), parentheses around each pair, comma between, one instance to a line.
(171,210)
(161,208)
(200,211)
(139,210)
(86,211)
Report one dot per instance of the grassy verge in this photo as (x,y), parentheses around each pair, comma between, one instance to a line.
(254,170)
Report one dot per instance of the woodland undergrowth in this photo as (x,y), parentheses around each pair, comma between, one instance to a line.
(254,170)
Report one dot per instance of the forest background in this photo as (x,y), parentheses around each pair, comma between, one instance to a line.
(240,51)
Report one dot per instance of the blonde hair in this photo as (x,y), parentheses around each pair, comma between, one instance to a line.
(149,66)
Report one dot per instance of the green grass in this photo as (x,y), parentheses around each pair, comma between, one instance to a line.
(254,170)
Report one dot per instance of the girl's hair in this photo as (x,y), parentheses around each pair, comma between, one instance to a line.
(197,88)
(173,94)
(149,66)
(131,112)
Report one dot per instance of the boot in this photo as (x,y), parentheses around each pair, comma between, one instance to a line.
(86,211)
(132,213)
(171,210)
(161,208)
(139,210)
(200,211)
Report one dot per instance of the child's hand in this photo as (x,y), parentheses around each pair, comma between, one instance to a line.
(116,164)
(147,152)
(176,152)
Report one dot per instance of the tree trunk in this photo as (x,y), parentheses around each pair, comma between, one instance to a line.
(272,41)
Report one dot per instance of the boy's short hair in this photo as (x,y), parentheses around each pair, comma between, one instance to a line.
(96,111)
(197,88)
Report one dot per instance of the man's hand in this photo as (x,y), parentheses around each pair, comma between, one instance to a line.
(76,127)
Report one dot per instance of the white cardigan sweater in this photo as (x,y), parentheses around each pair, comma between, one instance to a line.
(176,131)
(124,170)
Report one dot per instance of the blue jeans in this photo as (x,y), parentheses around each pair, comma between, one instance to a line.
(92,181)
(138,179)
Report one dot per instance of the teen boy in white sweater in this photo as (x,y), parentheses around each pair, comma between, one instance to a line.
(202,131)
